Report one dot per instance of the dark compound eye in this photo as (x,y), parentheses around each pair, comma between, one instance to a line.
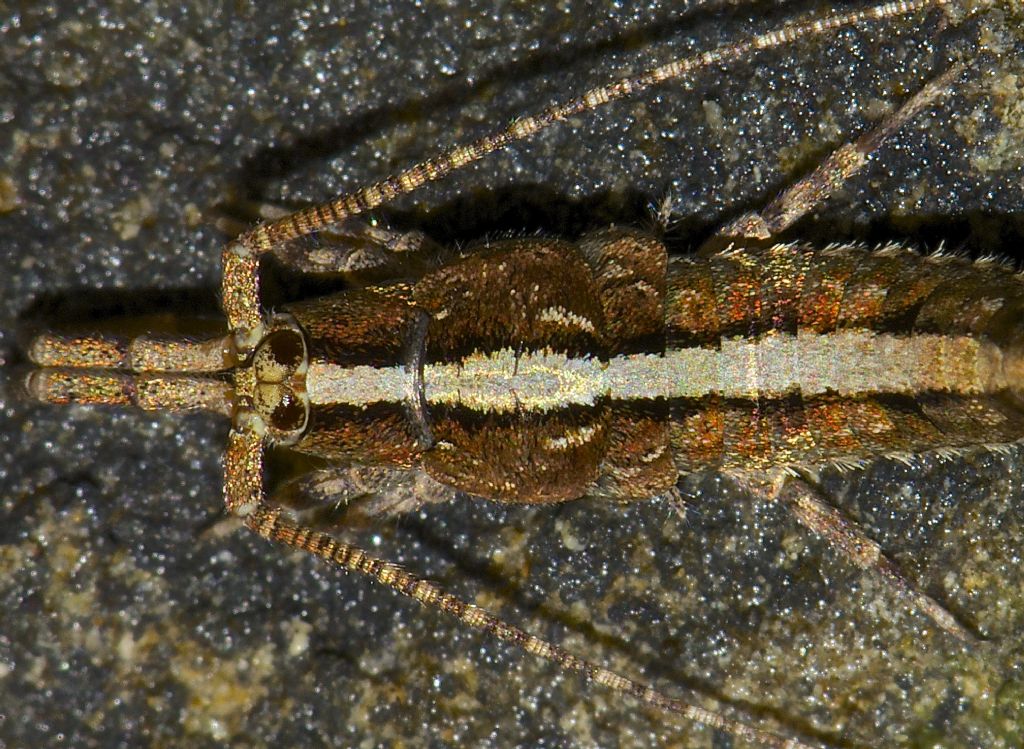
(289,415)
(286,348)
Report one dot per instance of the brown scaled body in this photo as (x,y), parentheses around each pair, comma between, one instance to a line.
(546,371)
(611,375)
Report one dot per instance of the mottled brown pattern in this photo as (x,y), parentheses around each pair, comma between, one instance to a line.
(784,275)
(774,290)
(762,290)
(630,268)
(521,457)
(362,326)
(910,283)
(497,298)
(866,290)
(821,299)
(832,420)
(697,430)
(967,302)
(975,421)
(811,431)
(377,433)
(691,311)
(638,458)
(751,291)
(738,283)
(793,437)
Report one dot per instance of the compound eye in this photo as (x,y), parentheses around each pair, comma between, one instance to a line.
(278,356)
(286,348)
(289,415)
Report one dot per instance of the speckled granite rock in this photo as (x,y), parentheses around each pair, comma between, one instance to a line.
(132,615)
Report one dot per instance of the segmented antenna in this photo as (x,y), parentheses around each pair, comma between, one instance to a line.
(265,237)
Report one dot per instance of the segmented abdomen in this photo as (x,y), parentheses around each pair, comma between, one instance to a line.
(799,356)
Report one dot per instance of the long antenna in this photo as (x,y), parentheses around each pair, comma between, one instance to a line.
(265,237)
(269,523)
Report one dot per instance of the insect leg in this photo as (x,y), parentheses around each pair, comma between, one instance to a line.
(244,496)
(810,192)
(240,295)
(812,511)
(362,493)
(145,372)
(362,253)
(139,354)
(149,391)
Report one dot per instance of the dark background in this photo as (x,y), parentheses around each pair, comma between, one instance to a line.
(132,614)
